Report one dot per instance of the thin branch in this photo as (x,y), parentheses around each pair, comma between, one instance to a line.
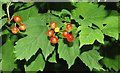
(8,13)
(8,27)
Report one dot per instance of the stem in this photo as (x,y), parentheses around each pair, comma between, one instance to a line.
(61,32)
(11,18)
(15,24)
(8,13)
(8,27)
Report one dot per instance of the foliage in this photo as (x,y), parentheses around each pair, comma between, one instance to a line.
(95,29)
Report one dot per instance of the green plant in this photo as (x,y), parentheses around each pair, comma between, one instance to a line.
(83,36)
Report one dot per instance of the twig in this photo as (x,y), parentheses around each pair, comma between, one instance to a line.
(8,27)
(8,13)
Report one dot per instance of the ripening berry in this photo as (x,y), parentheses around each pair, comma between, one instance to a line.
(14,30)
(70,37)
(50,33)
(69,26)
(65,33)
(17,18)
(54,40)
(22,27)
(53,25)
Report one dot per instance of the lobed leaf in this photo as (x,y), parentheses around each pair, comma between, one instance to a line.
(111,55)
(111,28)
(2,12)
(2,22)
(37,37)
(53,58)
(89,35)
(91,58)
(36,65)
(8,57)
(112,63)
(28,11)
(32,43)
(69,51)
(90,13)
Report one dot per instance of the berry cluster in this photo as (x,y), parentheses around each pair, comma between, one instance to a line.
(51,33)
(66,34)
(22,26)
(54,29)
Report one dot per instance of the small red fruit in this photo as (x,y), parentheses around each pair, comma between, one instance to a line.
(17,18)
(22,27)
(65,33)
(70,37)
(54,40)
(50,33)
(53,25)
(14,30)
(69,26)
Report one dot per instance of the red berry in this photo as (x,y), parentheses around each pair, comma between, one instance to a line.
(65,33)
(17,18)
(54,40)
(22,27)
(53,25)
(50,33)
(69,26)
(70,37)
(14,30)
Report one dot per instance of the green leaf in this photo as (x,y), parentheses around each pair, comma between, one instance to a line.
(55,12)
(37,37)
(1,65)
(22,6)
(111,54)
(0,52)
(5,1)
(42,19)
(32,43)
(48,18)
(91,58)
(4,32)
(112,63)
(53,58)
(0,10)
(69,51)
(2,13)
(36,65)
(36,27)
(8,57)
(28,11)
(89,35)
(63,14)
(2,22)
(111,29)
(119,23)
(90,12)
